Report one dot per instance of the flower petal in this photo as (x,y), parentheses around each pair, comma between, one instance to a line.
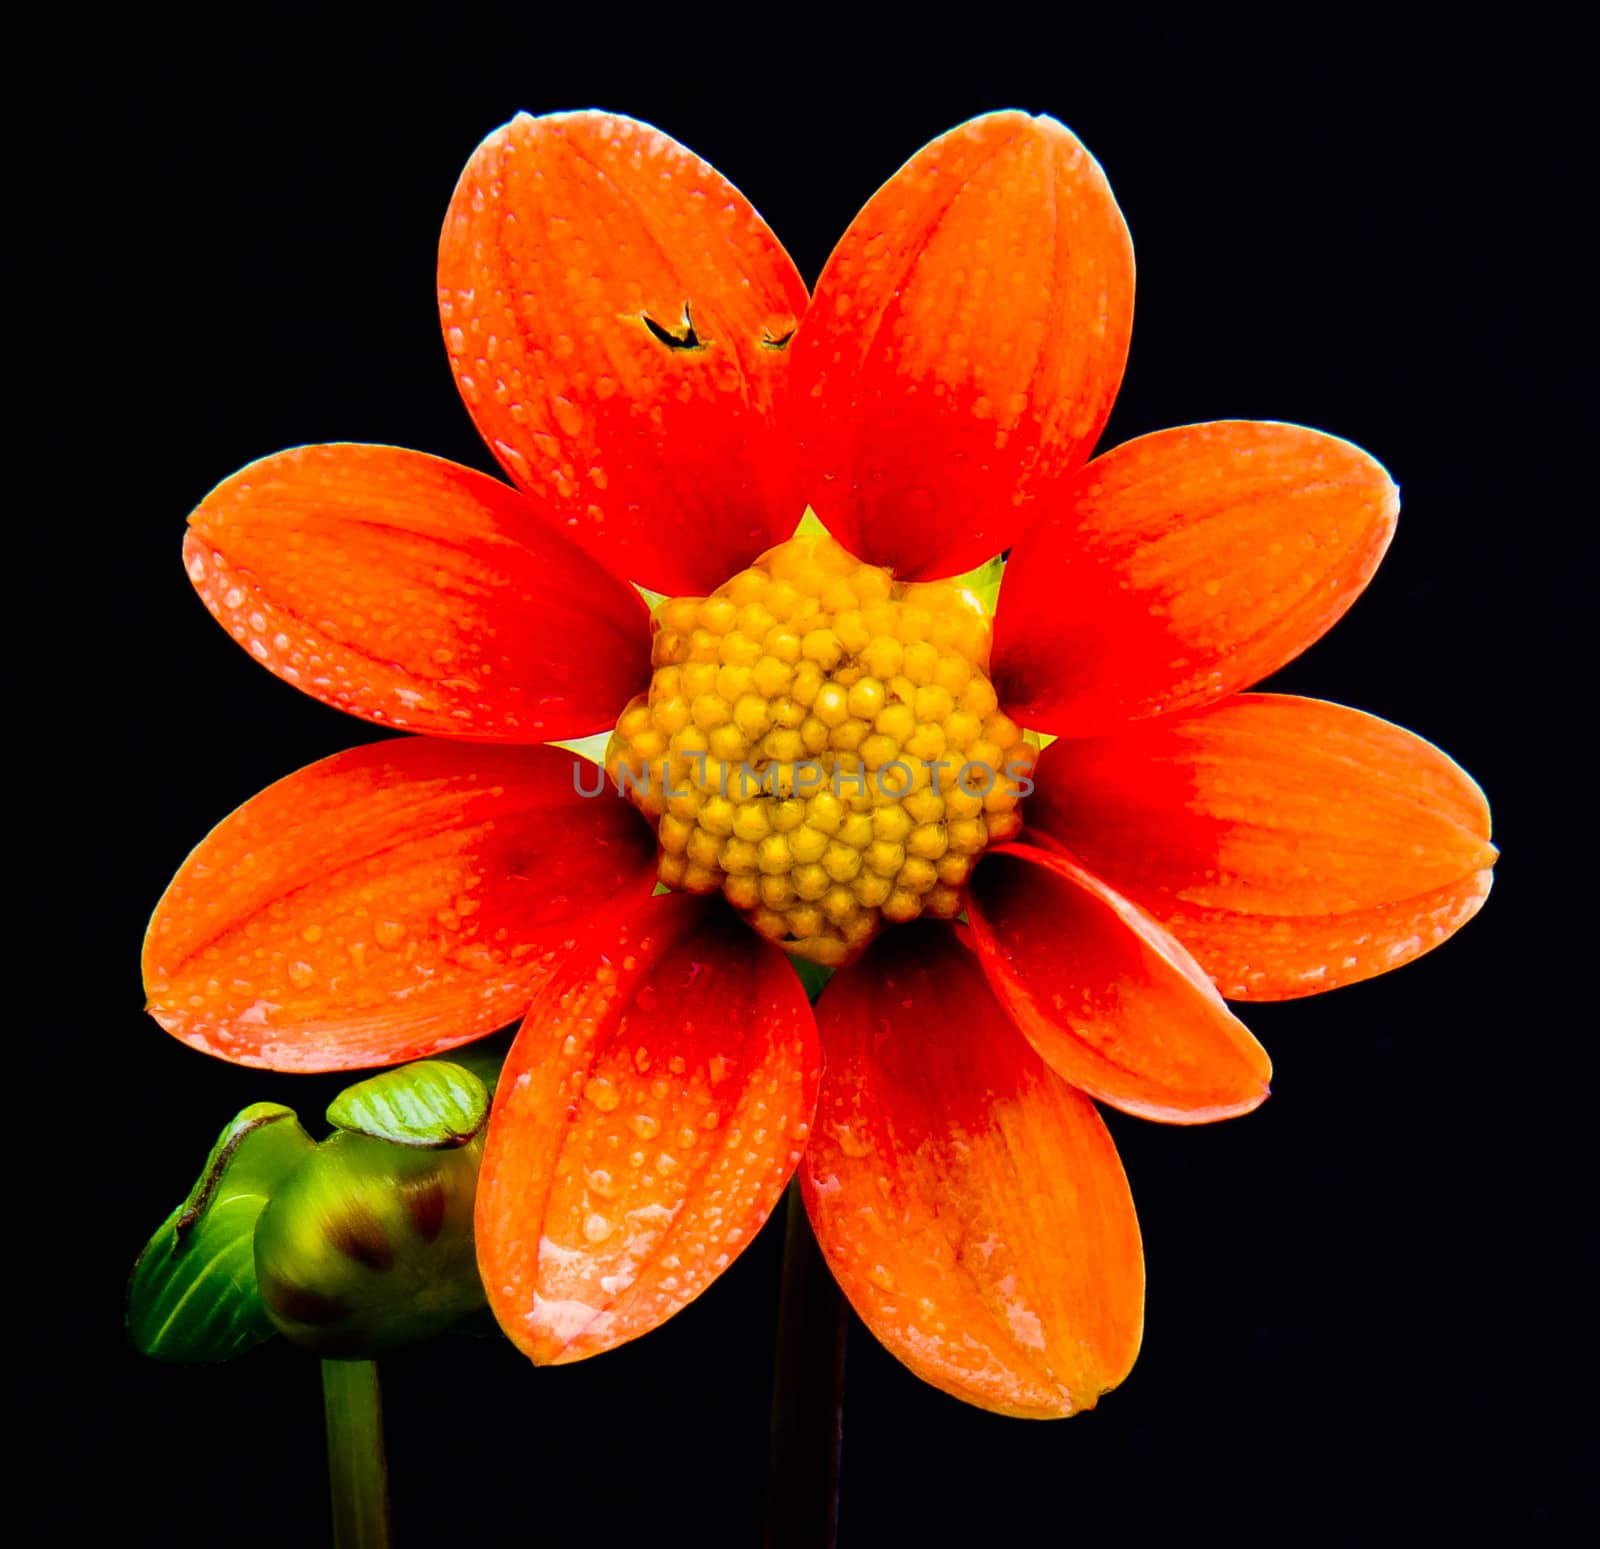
(651,1111)
(969,1202)
(1291,845)
(616,315)
(386,903)
(1185,565)
(416,593)
(966,340)
(1109,999)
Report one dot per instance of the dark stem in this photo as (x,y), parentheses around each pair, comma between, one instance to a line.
(358,1473)
(807,1394)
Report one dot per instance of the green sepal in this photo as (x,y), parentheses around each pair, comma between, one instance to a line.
(432,1104)
(193,1295)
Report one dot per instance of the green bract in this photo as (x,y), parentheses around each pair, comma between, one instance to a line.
(193,1295)
(433,1104)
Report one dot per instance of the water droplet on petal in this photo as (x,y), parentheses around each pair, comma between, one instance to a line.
(602,1094)
(568,416)
(851,1143)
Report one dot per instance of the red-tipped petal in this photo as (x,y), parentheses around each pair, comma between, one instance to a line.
(386,903)
(966,340)
(418,594)
(970,1203)
(651,1111)
(617,317)
(1291,845)
(1185,565)
(1112,1002)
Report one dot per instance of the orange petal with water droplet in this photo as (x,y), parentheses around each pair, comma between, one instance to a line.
(965,343)
(969,1202)
(387,903)
(1185,565)
(616,315)
(418,594)
(648,1117)
(1291,845)
(1110,999)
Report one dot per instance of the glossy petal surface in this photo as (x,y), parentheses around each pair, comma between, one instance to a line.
(386,903)
(1291,845)
(970,1203)
(1185,565)
(1112,1002)
(964,345)
(648,1118)
(616,315)
(416,593)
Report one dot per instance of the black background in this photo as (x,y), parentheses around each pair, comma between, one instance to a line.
(1369,1303)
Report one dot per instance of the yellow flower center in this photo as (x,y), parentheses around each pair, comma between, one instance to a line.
(822,744)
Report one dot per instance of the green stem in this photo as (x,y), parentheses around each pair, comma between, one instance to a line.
(807,1394)
(358,1473)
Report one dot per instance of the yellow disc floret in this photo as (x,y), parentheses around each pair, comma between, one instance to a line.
(822,744)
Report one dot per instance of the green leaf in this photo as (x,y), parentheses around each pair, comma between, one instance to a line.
(432,1104)
(193,1294)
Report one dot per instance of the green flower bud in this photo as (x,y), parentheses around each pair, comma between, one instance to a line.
(367,1245)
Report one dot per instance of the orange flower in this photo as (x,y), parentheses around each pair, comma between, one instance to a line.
(641,356)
